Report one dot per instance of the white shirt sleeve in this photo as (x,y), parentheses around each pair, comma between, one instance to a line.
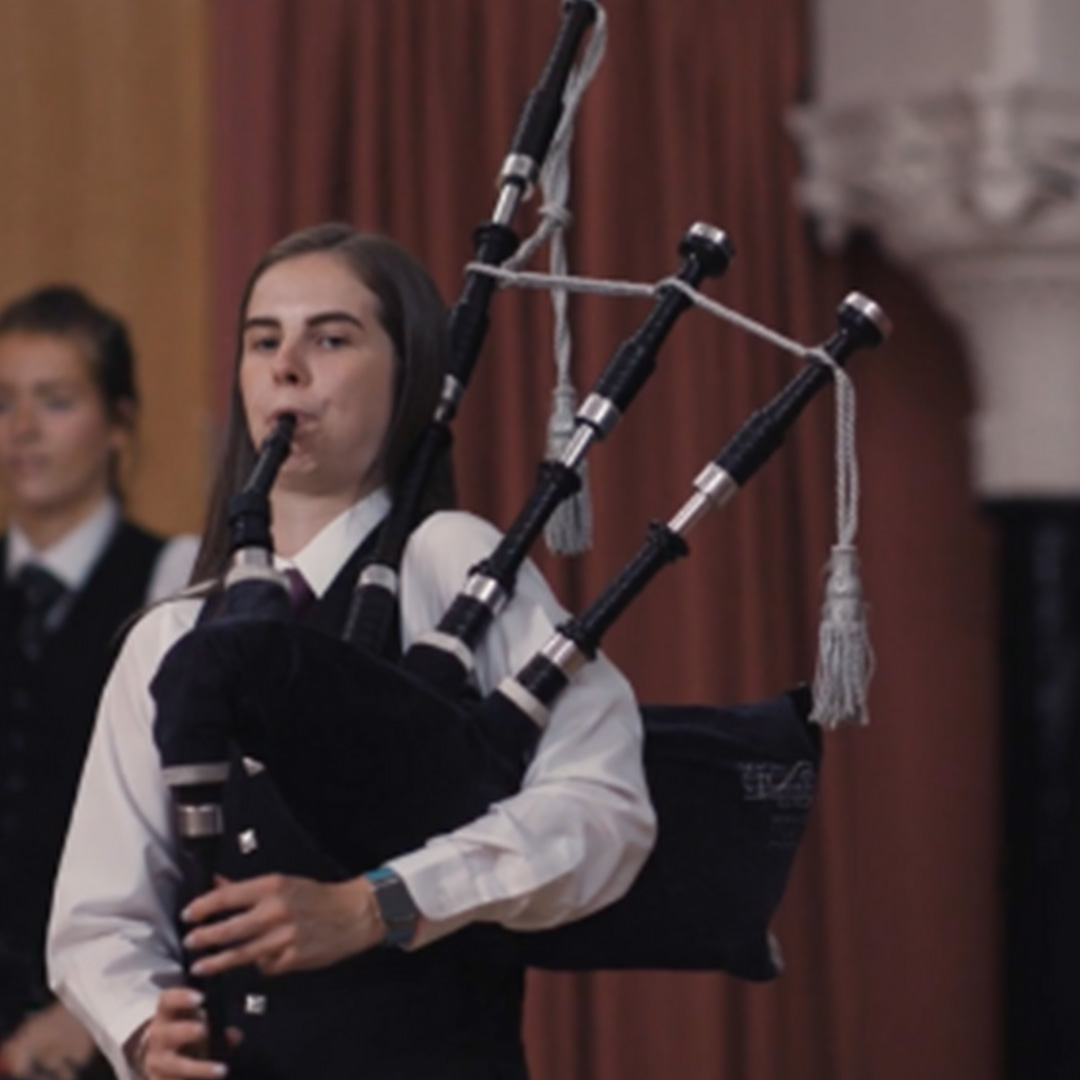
(173,567)
(112,942)
(574,837)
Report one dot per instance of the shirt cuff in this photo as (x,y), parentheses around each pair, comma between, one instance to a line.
(438,879)
(442,886)
(119,1030)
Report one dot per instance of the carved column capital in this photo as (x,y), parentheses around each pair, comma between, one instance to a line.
(979,190)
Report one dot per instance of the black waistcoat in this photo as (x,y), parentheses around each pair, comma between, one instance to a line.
(449,1011)
(47,712)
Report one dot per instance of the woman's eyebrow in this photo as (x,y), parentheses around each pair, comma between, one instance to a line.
(264,321)
(60,384)
(335,316)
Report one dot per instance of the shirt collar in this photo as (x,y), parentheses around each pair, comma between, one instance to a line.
(73,558)
(323,556)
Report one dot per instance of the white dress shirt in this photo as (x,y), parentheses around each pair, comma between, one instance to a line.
(73,558)
(569,842)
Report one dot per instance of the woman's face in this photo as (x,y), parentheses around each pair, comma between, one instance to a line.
(56,435)
(313,345)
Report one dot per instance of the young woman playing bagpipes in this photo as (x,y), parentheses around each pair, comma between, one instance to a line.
(346,333)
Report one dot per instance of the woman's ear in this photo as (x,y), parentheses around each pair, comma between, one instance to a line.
(122,417)
(123,414)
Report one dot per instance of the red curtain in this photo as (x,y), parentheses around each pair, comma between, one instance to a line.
(395,115)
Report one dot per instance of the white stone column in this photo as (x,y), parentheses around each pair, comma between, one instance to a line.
(951,130)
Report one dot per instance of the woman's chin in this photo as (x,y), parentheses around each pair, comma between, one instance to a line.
(313,483)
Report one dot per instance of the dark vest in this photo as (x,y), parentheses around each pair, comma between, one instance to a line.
(47,712)
(449,1011)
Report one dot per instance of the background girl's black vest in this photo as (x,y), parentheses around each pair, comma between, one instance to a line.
(47,712)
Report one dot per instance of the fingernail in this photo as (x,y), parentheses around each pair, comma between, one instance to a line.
(220,1070)
(195,998)
(198,968)
(185,915)
(189,941)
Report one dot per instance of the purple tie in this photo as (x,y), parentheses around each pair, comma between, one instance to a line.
(300,594)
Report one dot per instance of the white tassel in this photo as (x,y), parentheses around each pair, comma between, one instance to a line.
(845,658)
(569,529)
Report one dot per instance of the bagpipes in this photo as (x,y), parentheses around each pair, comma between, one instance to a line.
(347,760)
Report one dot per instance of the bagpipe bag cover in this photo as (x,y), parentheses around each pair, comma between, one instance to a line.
(363,761)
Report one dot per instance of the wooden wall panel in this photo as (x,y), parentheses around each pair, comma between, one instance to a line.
(103,166)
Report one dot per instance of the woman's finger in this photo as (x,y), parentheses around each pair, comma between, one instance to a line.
(259,951)
(176,1034)
(249,924)
(178,1000)
(233,896)
(169,1065)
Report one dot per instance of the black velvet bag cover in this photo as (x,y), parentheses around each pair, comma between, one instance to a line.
(732,788)
(371,762)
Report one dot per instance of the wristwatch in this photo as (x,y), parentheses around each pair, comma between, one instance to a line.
(396,906)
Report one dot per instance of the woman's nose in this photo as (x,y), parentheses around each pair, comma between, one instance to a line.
(290,365)
(24,420)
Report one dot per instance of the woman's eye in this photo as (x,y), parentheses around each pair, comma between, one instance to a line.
(263,344)
(332,341)
(59,404)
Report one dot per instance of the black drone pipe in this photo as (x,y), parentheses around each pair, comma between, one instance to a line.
(375,600)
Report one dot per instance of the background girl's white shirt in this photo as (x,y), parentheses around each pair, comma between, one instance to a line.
(568,843)
(73,558)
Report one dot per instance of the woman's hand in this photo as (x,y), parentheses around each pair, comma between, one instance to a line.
(49,1044)
(283,924)
(172,1045)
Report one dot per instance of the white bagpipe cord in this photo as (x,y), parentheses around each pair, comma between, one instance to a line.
(569,529)
(845,662)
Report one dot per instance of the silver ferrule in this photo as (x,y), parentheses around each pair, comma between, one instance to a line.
(526,701)
(600,413)
(714,487)
(452,393)
(378,576)
(252,558)
(575,450)
(215,772)
(199,822)
(871,310)
(486,590)
(520,172)
(711,233)
(564,654)
(454,646)
(506,205)
(255,570)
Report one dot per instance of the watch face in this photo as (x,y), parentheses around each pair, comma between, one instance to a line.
(395,903)
(396,907)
